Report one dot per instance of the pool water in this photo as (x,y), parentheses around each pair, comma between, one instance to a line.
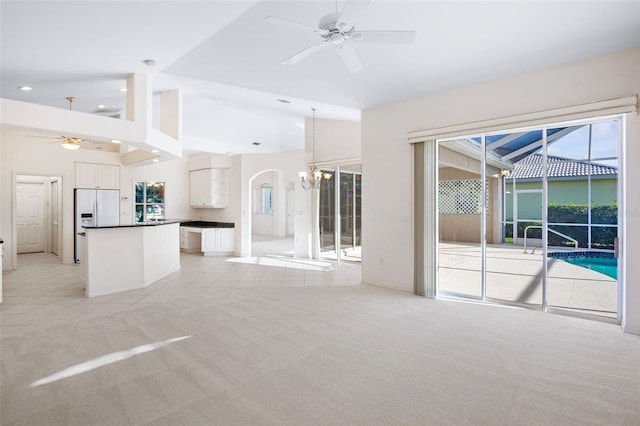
(604,263)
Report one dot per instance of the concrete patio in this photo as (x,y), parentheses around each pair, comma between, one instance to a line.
(514,276)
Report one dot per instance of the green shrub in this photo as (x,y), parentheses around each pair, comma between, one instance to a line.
(601,237)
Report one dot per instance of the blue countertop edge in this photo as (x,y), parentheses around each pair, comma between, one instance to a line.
(182,222)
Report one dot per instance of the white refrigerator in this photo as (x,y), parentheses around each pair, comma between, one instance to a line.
(94,207)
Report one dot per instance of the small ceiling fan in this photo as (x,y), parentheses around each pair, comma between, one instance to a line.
(68,142)
(338,29)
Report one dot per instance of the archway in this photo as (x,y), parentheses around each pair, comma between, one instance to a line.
(272,207)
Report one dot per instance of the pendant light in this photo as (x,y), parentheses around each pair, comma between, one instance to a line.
(312,178)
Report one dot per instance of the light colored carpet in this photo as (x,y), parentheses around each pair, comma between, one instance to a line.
(326,352)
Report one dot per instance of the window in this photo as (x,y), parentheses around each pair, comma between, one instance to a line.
(149,201)
(264,199)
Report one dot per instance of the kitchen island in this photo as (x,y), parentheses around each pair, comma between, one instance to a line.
(128,257)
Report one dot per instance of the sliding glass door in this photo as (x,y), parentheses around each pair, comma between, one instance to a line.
(460,195)
(582,219)
(340,213)
(328,213)
(514,269)
(531,217)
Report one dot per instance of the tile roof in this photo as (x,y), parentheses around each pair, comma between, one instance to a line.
(530,167)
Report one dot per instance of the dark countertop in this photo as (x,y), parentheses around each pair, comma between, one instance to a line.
(205,224)
(137,225)
(182,222)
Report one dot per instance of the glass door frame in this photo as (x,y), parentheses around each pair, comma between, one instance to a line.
(337,219)
(620,121)
(483,224)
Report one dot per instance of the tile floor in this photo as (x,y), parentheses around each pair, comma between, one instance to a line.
(236,343)
(42,292)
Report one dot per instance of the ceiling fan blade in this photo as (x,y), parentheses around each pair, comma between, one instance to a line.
(304,53)
(293,24)
(349,58)
(395,37)
(350,12)
(45,137)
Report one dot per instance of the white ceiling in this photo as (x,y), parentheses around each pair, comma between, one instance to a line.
(226,58)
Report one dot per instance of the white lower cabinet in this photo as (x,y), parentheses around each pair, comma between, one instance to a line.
(190,239)
(217,241)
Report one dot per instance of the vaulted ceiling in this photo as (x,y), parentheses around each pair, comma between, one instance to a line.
(227,59)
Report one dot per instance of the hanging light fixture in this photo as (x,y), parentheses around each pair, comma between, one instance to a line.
(70,142)
(312,178)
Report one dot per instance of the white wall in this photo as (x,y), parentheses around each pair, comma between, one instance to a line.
(22,155)
(387,157)
(175,175)
(242,169)
(335,139)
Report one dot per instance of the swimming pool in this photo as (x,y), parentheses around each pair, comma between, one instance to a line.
(602,262)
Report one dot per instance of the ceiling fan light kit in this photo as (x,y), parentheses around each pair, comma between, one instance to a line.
(337,29)
(70,145)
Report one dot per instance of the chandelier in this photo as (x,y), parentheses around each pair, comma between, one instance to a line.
(312,178)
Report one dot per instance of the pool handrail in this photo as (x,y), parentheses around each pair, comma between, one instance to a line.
(548,229)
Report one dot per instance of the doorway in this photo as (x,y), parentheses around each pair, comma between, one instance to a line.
(37,215)
(530,218)
(340,213)
(272,214)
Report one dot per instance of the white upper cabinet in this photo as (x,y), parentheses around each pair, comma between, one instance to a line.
(208,188)
(100,176)
(109,177)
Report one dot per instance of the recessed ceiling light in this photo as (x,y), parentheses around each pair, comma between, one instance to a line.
(155,160)
(124,89)
(149,62)
(284,101)
(25,88)
(155,151)
(115,141)
(100,106)
(255,143)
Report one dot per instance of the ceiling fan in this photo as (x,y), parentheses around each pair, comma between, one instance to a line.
(337,29)
(69,142)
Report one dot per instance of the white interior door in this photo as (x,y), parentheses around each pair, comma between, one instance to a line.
(30,217)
